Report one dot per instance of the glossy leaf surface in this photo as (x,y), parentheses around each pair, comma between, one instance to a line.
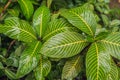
(29,59)
(26,7)
(40,20)
(64,45)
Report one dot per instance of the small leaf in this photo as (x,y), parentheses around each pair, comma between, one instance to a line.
(13,12)
(105,19)
(63,45)
(26,7)
(43,68)
(11,75)
(29,59)
(9,61)
(114,23)
(40,20)
(1,66)
(72,67)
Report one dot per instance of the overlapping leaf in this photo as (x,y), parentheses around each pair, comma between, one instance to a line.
(85,21)
(56,26)
(83,8)
(112,44)
(97,62)
(40,20)
(29,59)
(113,74)
(26,7)
(18,29)
(43,68)
(72,67)
(63,45)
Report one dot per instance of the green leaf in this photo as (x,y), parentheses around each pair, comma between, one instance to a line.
(1,66)
(29,59)
(85,21)
(97,62)
(40,20)
(26,7)
(113,74)
(11,75)
(83,8)
(112,44)
(43,68)
(114,23)
(72,67)
(18,29)
(13,12)
(101,35)
(119,73)
(57,26)
(105,19)
(63,45)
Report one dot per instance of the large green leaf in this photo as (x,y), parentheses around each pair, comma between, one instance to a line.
(112,44)
(40,20)
(113,74)
(56,26)
(18,29)
(43,68)
(72,67)
(29,59)
(97,62)
(26,7)
(85,21)
(63,45)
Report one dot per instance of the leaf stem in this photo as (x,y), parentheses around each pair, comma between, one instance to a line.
(5,7)
(11,45)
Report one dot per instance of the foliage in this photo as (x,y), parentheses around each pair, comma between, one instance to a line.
(59,39)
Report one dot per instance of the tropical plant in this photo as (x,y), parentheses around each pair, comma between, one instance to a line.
(72,35)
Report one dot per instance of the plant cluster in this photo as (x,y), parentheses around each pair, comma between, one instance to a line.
(59,40)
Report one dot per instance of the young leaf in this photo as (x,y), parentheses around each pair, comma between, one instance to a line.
(97,62)
(26,7)
(63,45)
(18,29)
(57,26)
(29,59)
(40,20)
(112,44)
(85,21)
(72,67)
(43,68)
